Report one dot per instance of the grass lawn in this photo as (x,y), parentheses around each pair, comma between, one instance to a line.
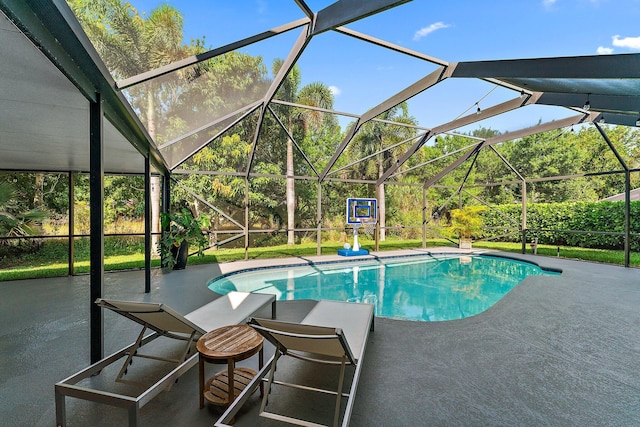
(136,260)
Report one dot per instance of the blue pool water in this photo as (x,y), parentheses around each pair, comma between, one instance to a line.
(425,288)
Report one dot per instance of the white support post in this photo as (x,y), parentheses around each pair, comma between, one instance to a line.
(356,245)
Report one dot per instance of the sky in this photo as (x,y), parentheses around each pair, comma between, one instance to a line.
(362,75)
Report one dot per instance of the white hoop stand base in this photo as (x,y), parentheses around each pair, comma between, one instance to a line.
(355,250)
(356,245)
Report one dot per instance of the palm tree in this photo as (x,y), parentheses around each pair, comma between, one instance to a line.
(131,44)
(374,137)
(314,94)
(14,223)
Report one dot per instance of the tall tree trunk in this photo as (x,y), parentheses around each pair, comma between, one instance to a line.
(155,181)
(38,188)
(155,212)
(382,207)
(291,196)
(38,196)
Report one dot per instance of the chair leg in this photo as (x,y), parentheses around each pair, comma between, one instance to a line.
(132,353)
(336,416)
(260,365)
(134,412)
(184,354)
(187,348)
(61,411)
(272,371)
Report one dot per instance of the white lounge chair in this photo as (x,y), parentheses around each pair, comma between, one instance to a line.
(231,309)
(332,333)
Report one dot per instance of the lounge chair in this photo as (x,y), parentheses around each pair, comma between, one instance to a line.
(332,333)
(231,309)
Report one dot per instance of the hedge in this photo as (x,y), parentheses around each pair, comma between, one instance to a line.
(582,216)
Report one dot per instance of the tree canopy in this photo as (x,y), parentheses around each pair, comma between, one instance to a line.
(295,142)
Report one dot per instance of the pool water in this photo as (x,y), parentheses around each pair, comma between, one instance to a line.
(428,288)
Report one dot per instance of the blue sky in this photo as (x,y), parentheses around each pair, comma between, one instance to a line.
(363,75)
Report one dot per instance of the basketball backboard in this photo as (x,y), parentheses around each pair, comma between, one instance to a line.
(361,210)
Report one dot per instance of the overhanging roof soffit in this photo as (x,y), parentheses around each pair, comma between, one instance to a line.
(53,28)
(607,75)
(34,27)
(343,12)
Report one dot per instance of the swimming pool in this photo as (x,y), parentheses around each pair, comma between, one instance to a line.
(424,288)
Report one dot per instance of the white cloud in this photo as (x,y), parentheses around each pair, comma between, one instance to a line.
(261,7)
(548,3)
(628,42)
(425,31)
(604,50)
(335,90)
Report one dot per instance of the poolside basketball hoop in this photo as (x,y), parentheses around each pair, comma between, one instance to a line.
(360,213)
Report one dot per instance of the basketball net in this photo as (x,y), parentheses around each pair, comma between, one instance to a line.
(369,226)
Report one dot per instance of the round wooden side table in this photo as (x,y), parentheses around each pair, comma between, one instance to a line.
(228,344)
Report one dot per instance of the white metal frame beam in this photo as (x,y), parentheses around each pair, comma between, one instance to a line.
(421,85)
(460,122)
(343,12)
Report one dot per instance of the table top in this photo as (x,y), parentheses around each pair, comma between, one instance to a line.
(230,342)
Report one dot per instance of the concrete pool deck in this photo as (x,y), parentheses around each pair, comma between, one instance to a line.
(556,350)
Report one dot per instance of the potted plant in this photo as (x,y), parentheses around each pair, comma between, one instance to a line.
(466,223)
(180,230)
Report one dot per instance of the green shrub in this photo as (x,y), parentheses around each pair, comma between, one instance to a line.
(411,221)
(467,222)
(579,216)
